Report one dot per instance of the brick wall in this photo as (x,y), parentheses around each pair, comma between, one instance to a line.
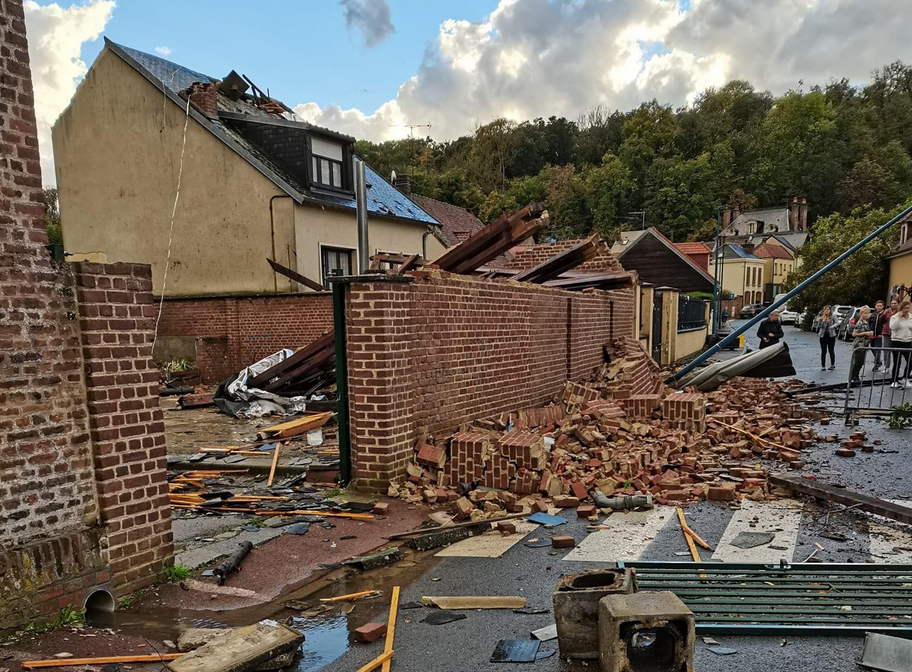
(116,318)
(231,332)
(52,542)
(46,482)
(428,355)
(524,257)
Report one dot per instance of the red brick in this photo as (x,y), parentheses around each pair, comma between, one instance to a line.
(586,511)
(563,542)
(370,632)
(579,491)
(566,502)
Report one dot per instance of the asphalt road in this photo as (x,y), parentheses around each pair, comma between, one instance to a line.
(533,572)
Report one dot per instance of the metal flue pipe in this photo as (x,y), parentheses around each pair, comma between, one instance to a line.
(760,316)
(364,254)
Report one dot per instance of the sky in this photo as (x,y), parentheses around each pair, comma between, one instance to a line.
(371,68)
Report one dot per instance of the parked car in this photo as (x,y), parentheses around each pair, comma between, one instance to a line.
(750,311)
(844,330)
(787,316)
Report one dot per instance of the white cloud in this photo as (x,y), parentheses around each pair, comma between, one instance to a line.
(533,58)
(163,51)
(370,17)
(55,38)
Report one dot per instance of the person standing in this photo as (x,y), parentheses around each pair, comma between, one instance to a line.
(861,338)
(901,337)
(886,335)
(826,330)
(770,331)
(878,321)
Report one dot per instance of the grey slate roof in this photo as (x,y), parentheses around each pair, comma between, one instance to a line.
(382,198)
(732,251)
(774,220)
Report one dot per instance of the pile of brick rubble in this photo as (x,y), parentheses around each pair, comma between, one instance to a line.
(621,433)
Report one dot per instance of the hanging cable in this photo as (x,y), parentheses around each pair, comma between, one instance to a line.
(177,193)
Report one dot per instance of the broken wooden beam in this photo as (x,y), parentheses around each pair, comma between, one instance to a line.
(608,280)
(294,427)
(195,400)
(830,493)
(561,262)
(101,660)
(297,277)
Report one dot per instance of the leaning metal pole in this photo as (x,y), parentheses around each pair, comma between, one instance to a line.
(800,288)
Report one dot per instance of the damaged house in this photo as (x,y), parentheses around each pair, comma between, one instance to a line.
(255,184)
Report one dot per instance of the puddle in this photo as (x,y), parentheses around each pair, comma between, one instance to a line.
(327,634)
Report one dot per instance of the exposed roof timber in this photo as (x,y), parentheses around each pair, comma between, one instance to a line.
(494,239)
(561,262)
(281,121)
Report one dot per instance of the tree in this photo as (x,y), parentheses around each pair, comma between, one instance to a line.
(862,278)
(492,146)
(606,187)
(599,132)
(681,195)
(868,184)
(52,216)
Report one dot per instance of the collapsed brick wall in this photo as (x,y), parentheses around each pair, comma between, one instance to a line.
(428,355)
(231,332)
(116,317)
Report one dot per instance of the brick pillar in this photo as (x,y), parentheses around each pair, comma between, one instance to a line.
(116,322)
(380,318)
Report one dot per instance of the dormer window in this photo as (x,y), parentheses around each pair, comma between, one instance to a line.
(326,163)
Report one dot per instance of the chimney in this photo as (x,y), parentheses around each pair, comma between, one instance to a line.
(793,214)
(803,215)
(204,96)
(736,212)
(404,184)
(726,218)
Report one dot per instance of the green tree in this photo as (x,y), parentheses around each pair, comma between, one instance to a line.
(860,279)
(681,195)
(495,205)
(606,188)
(52,216)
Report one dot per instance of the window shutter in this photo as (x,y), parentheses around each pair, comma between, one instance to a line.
(328,150)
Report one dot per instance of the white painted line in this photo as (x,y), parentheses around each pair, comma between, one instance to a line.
(489,544)
(890,541)
(628,537)
(776,517)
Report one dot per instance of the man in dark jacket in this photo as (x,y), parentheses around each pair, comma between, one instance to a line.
(770,331)
(878,321)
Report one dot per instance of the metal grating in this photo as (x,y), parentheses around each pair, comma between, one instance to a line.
(839,599)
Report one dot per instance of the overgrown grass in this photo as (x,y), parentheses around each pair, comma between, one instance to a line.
(175,574)
(127,601)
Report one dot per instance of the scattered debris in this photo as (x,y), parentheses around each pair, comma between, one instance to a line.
(886,653)
(102,660)
(379,558)
(441,617)
(831,493)
(746,540)
(353,596)
(242,649)
(515,651)
(546,634)
(370,632)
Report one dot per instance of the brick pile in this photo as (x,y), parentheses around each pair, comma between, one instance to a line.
(679,447)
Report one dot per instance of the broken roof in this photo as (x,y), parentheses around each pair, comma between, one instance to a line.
(171,78)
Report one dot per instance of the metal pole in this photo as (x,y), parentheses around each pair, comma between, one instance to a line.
(716,314)
(775,304)
(361,205)
(339,290)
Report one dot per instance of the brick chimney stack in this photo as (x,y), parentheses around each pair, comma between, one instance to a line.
(803,215)
(404,184)
(204,96)
(726,218)
(793,214)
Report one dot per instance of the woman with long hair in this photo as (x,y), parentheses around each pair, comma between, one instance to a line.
(826,330)
(901,339)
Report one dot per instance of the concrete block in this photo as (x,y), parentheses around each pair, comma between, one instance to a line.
(576,600)
(645,631)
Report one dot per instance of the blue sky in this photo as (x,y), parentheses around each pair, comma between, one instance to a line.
(300,50)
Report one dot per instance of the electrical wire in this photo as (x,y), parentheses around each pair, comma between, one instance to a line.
(180,176)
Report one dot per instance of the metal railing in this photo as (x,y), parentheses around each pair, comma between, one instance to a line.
(881,389)
(691,313)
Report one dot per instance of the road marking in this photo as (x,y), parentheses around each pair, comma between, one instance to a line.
(488,545)
(781,519)
(628,537)
(890,541)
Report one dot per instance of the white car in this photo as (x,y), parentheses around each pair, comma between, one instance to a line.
(787,316)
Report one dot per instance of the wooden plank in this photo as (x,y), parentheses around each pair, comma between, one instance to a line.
(352,596)
(196,400)
(391,628)
(104,660)
(354,516)
(694,553)
(830,493)
(275,463)
(294,427)
(471,523)
(382,659)
(297,277)
(299,356)
(476,602)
